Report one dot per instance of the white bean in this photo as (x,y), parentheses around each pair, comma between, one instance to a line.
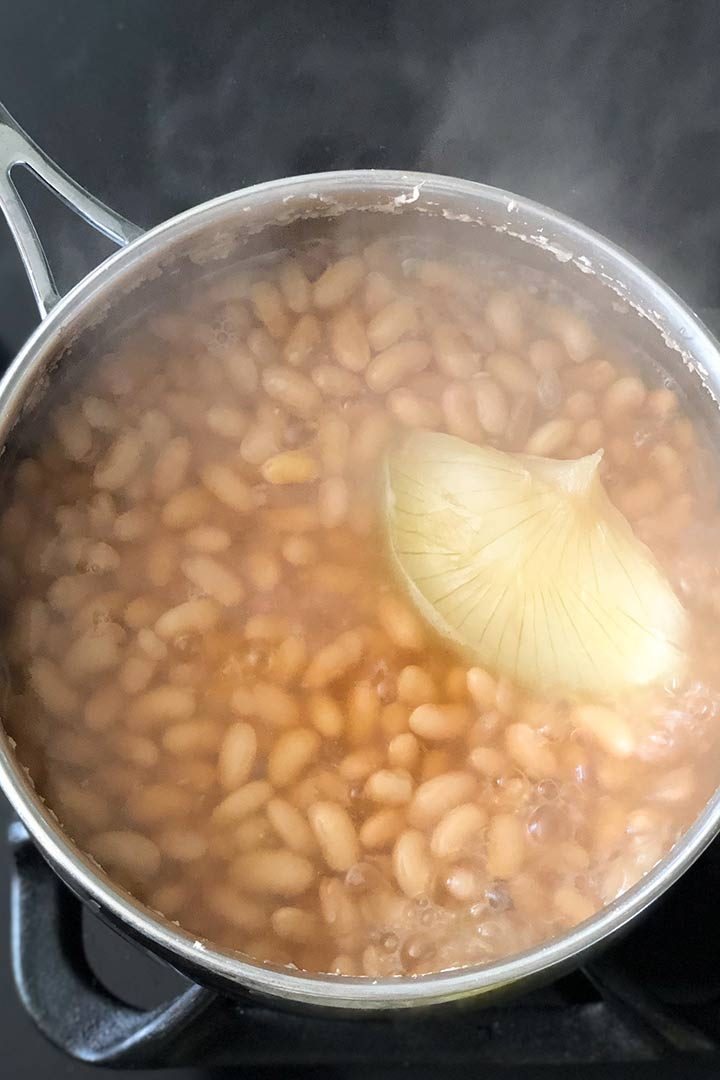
(214,579)
(171,467)
(280,873)
(335,833)
(412,864)
(237,755)
(121,461)
(192,617)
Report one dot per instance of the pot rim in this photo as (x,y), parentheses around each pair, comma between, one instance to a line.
(565,239)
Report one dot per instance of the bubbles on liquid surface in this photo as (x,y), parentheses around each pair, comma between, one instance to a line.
(498,896)
(548,824)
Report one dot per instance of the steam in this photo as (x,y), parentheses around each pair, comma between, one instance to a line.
(610,120)
(604,121)
(284,101)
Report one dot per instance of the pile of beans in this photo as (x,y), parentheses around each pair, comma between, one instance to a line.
(216,683)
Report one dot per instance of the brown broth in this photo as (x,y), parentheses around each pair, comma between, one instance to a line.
(221,692)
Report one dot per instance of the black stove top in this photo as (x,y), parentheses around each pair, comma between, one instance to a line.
(610,113)
(648,1007)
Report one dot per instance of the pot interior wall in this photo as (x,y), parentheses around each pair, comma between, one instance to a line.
(209,253)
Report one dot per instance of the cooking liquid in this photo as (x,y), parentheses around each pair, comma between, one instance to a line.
(221,691)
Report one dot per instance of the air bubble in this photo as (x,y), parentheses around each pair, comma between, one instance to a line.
(416,949)
(547,824)
(364,877)
(581,773)
(387,690)
(188,644)
(491,931)
(295,433)
(255,659)
(390,942)
(498,897)
(462,883)
(641,436)
(548,790)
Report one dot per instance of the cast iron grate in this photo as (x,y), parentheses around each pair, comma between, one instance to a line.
(654,997)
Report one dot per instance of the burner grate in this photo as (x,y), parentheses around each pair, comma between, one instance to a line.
(613,1011)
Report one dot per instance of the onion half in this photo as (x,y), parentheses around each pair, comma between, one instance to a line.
(526,565)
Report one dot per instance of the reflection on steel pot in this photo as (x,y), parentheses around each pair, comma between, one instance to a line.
(277,215)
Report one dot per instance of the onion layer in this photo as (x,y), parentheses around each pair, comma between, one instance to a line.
(527,566)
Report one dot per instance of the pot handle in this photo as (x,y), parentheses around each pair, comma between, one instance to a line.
(60,991)
(17,148)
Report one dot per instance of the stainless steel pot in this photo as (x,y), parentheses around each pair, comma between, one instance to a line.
(456,211)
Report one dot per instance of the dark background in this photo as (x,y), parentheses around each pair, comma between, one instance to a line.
(607,111)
